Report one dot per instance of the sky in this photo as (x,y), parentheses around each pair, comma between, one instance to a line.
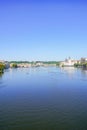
(48,30)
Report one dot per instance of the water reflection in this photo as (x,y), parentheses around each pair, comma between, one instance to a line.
(69,70)
(43,98)
(84,71)
(1,82)
(84,74)
(1,74)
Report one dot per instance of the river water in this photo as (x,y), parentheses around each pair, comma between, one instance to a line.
(43,98)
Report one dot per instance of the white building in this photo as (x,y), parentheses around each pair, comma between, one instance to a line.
(68,62)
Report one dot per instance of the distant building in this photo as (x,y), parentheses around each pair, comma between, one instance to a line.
(68,62)
(83,60)
(23,65)
(39,64)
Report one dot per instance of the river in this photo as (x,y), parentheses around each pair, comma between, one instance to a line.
(43,98)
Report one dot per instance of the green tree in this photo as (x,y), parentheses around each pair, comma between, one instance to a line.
(84,65)
(2,67)
(14,65)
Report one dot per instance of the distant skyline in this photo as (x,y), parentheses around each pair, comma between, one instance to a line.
(44,30)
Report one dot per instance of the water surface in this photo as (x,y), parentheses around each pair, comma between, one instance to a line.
(43,98)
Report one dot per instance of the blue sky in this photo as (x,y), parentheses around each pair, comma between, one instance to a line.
(43,30)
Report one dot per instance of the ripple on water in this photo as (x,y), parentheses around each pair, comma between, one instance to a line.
(40,107)
(2,84)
